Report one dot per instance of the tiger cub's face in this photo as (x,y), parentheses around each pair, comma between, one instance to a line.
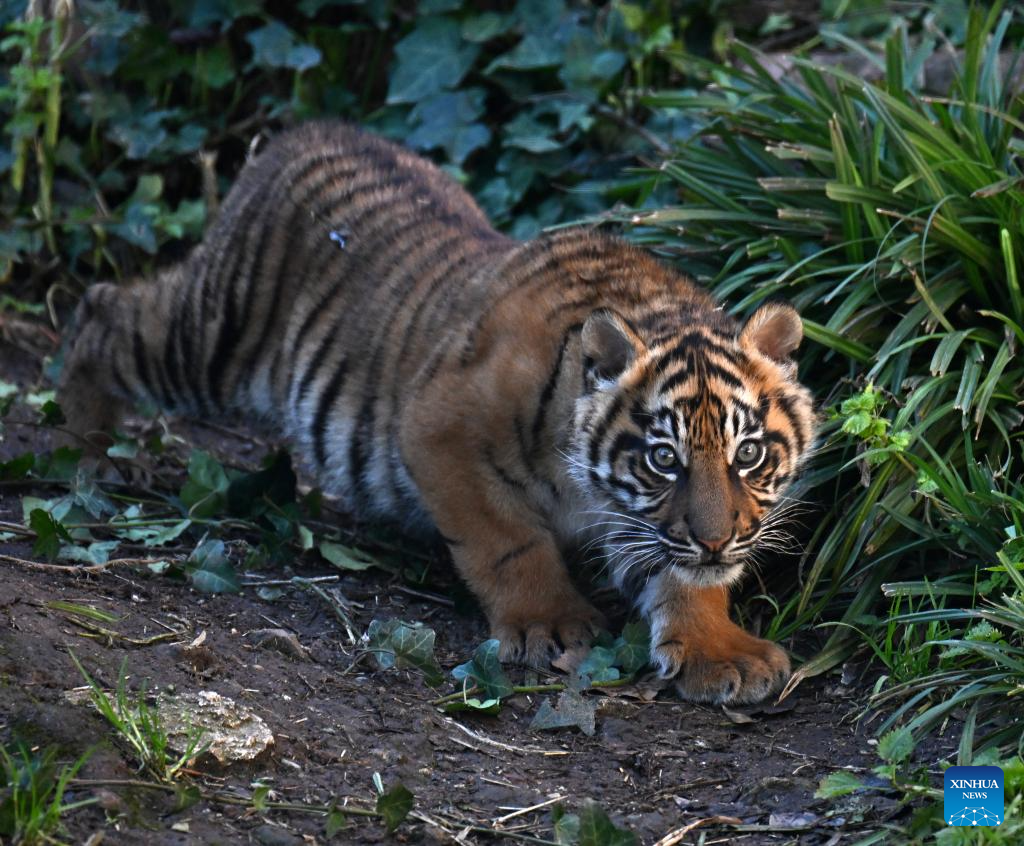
(685,442)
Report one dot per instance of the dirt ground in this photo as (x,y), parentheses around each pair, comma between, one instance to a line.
(655,766)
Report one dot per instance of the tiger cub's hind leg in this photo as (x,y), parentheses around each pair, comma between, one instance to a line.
(88,391)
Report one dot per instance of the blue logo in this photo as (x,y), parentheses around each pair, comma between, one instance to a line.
(973,795)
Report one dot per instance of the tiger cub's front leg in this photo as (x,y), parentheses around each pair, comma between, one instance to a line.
(500,546)
(710,658)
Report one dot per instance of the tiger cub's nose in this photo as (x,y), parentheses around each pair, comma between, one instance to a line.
(711,544)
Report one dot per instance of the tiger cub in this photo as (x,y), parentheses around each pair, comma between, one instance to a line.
(521,398)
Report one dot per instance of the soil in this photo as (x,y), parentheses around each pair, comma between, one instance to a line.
(654,766)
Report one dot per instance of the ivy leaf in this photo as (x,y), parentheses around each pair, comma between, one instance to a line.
(572,711)
(209,569)
(398,644)
(527,133)
(49,534)
(335,822)
(247,495)
(598,665)
(347,557)
(18,467)
(52,414)
(566,826)
(97,552)
(214,67)
(633,647)
(597,830)
(430,59)
(205,492)
(837,784)
(485,26)
(447,120)
(484,670)
(61,464)
(394,806)
(534,51)
(276,46)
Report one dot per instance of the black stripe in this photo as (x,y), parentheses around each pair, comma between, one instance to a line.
(785,405)
(597,435)
(510,556)
(326,401)
(552,381)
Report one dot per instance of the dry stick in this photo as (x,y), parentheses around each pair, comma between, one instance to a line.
(79,568)
(506,746)
(554,687)
(676,836)
(334,605)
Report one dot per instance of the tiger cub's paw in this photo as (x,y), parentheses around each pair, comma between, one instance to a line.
(736,669)
(535,639)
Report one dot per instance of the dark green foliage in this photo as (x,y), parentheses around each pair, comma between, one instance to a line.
(394,806)
(103,115)
(893,221)
(485,672)
(403,645)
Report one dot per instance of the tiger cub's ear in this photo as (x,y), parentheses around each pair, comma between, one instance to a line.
(609,345)
(774,330)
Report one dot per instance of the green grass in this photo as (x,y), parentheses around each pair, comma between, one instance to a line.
(140,728)
(32,787)
(892,220)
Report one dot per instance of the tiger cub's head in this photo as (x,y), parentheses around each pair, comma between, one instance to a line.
(687,436)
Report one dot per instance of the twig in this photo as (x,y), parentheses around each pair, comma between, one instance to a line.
(676,836)
(506,746)
(79,568)
(291,581)
(333,603)
(557,798)
(422,594)
(554,687)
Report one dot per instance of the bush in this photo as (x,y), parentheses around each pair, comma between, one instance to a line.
(893,221)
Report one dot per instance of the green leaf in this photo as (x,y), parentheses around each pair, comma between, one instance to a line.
(597,830)
(395,805)
(51,414)
(484,670)
(335,822)
(97,552)
(276,46)
(633,646)
(838,784)
(566,826)
(572,711)
(209,569)
(249,494)
(448,120)
(431,59)
(49,534)
(205,492)
(347,557)
(598,665)
(896,746)
(401,645)
(18,467)
(487,706)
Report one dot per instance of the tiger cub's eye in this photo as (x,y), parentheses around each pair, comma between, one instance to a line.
(749,453)
(663,458)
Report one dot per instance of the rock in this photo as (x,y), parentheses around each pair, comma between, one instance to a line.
(231,732)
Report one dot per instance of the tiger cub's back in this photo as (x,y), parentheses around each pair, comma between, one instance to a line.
(314,298)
